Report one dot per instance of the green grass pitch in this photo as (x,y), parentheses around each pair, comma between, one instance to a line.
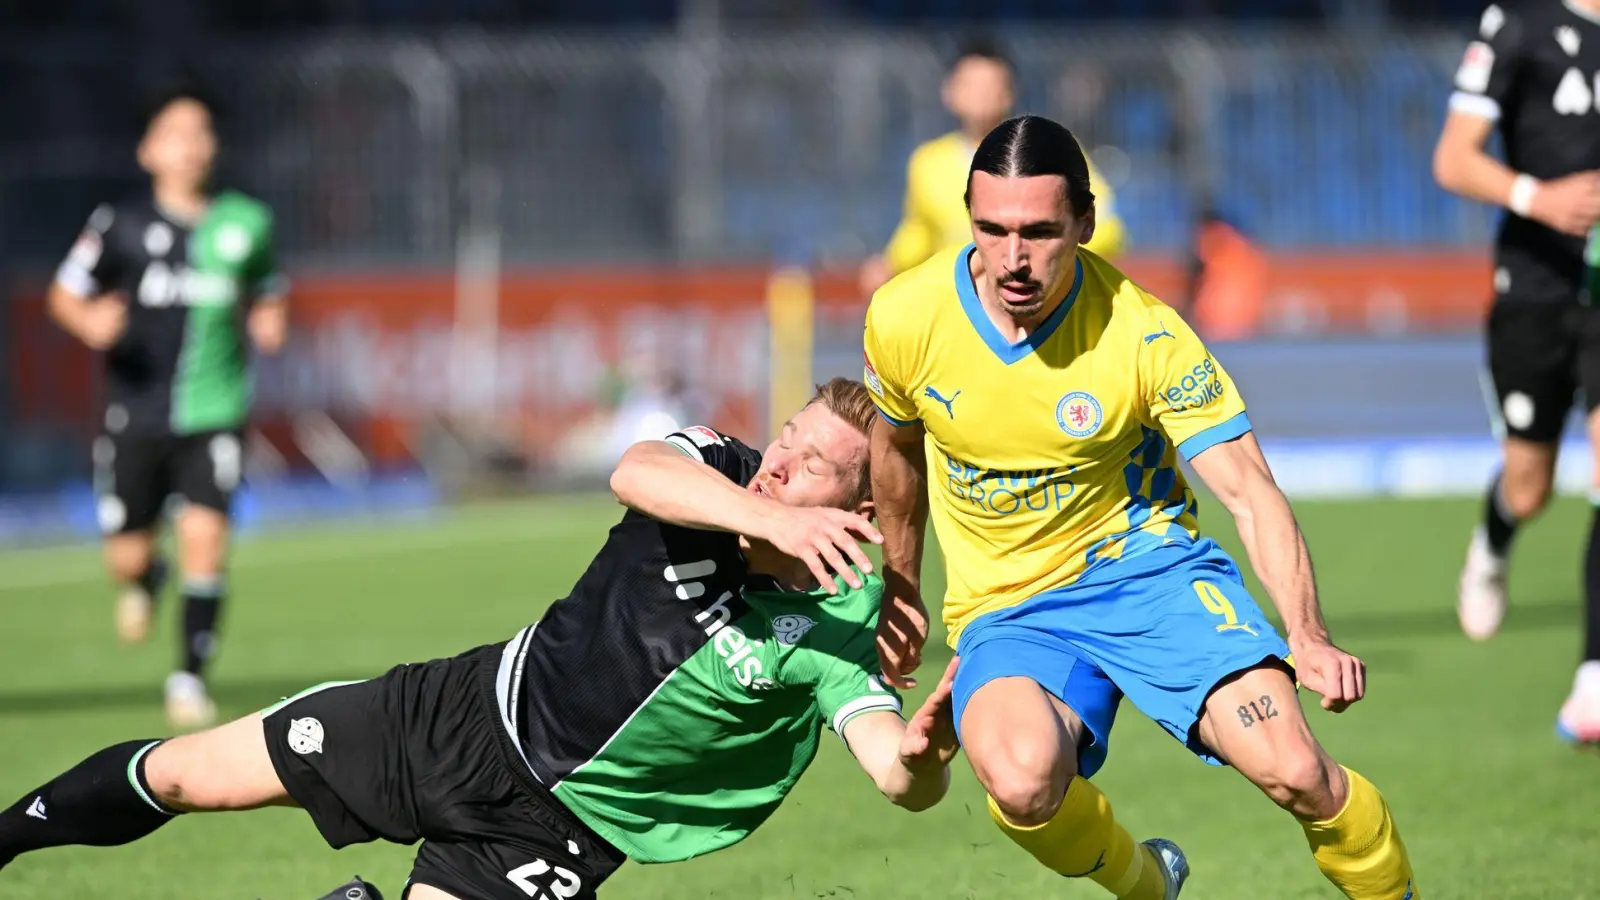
(1458,735)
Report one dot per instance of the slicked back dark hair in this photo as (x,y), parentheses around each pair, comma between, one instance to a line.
(1025,146)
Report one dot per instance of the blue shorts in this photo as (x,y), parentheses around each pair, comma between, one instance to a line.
(1164,628)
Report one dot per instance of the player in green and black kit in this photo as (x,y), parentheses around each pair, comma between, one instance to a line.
(661,711)
(173,289)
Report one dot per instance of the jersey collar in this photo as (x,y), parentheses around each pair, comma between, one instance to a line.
(1007,351)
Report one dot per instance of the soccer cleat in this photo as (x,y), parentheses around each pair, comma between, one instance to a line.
(1481,596)
(136,606)
(1174,865)
(189,708)
(1579,719)
(355,889)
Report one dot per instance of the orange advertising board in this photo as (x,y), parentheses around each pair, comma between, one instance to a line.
(379,351)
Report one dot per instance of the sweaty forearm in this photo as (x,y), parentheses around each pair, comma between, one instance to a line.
(665,485)
(1277,550)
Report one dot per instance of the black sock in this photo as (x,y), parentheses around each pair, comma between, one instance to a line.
(154,577)
(1497,521)
(202,604)
(101,802)
(1591,579)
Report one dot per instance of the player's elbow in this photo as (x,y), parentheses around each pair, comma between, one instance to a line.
(1446,168)
(917,793)
(59,303)
(626,479)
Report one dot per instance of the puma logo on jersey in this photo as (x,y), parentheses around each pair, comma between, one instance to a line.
(949,405)
(736,650)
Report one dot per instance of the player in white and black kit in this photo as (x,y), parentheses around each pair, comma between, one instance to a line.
(174,288)
(1533,73)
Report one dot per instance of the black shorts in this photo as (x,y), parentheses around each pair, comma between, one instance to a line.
(134,475)
(1541,356)
(419,753)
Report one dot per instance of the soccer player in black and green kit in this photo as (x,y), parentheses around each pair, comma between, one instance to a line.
(173,289)
(662,710)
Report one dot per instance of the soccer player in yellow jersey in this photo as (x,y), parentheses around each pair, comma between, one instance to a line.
(978,93)
(1058,397)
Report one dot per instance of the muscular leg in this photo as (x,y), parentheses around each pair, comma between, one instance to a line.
(127,791)
(1023,744)
(1255,723)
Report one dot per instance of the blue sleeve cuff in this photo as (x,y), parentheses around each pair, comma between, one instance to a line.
(898,423)
(1237,426)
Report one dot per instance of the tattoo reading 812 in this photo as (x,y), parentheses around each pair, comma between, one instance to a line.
(1258,710)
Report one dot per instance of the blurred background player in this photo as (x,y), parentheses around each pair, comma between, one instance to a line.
(979,91)
(1530,74)
(172,288)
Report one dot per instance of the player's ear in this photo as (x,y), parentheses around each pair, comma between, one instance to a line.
(867,509)
(1087,224)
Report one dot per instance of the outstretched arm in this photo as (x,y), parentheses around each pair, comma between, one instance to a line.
(900,491)
(1237,472)
(659,480)
(910,763)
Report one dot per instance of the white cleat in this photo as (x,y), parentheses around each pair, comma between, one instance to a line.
(135,608)
(1579,719)
(189,707)
(1174,865)
(1481,600)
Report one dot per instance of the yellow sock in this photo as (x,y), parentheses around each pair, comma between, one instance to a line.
(1085,841)
(1360,850)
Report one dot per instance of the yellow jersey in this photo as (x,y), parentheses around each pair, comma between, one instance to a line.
(1054,455)
(935,216)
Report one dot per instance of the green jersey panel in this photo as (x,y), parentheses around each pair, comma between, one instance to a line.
(230,257)
(712,753)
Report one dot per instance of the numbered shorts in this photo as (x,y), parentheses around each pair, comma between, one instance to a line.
(1163,628)
(134,475)
(419,754)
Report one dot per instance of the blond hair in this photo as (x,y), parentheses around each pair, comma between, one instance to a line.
(848,399)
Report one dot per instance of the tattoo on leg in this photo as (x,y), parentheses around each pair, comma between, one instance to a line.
(1257,710)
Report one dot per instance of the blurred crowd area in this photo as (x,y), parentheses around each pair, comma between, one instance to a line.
(527,233)
(739,144)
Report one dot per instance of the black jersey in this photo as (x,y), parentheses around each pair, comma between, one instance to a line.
(673,699)
(1535,71)
(181,367)
(628,622)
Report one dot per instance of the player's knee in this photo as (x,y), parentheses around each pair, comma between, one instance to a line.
(1026,783)
(1304,781)
(127,557)
(1525,490)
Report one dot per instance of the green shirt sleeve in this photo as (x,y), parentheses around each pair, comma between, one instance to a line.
(848,683)
(264,279)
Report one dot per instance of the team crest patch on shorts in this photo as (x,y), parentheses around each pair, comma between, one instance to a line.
(1079,414)
(305,736)
(790,629)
